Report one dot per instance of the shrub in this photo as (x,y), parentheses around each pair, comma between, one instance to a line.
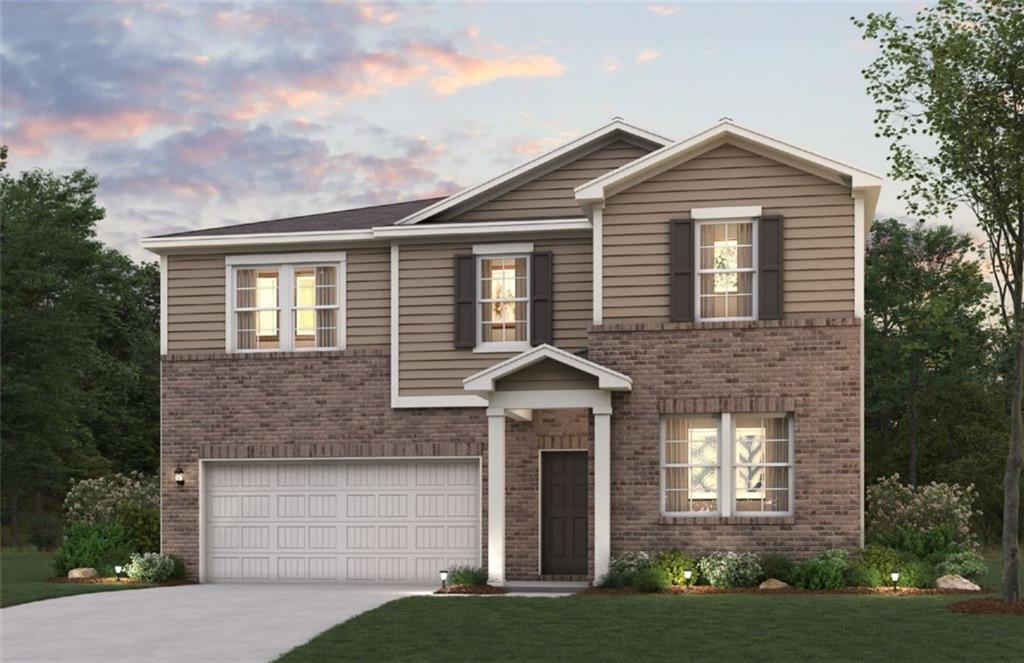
(674,563)
(631,563)
(150,567)
(467,575)
(933,544)
(131,500)
(613,580)
(877,562)
(826,571)
(97,545)
(775,566)
(179,567)
(651,580)
(921,518)
(731,569)
(967,564)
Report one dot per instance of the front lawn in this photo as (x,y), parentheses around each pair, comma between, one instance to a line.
(23,578)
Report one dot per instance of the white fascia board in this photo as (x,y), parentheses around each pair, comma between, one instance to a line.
(597,188)
(455,400)
(709,213)
(505,248)
(484,381)
(558,152)
(481,228)
(170,244)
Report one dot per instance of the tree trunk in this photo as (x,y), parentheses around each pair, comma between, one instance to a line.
(15,519)
(1011,482)
(912,469)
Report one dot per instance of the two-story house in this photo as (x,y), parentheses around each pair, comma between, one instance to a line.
(626,344)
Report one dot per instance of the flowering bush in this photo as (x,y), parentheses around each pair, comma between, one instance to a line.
(897,513)
(731,569)
(629,564)
(131,500)
(150,567)
(826,571)
(968,564)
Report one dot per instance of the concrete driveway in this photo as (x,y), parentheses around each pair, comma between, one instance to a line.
(251,623)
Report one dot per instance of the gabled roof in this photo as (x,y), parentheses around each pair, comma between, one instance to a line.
(361,218)
(616,126)
(599,188)
(606,378)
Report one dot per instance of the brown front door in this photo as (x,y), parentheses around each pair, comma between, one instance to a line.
(563,514)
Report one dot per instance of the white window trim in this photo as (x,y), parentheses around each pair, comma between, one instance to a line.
(753,270)
(500,346)
(285,263)
(502,250)
(726,468)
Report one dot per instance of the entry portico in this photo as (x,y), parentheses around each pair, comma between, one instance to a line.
(546,377)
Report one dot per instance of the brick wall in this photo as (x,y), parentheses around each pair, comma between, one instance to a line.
(808,367)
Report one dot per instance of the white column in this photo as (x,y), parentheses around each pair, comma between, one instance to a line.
(597,222)
(602,491)
(496,495)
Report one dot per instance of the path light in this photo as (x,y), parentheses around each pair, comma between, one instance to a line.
(895,575)
(179,476)
(117,571)
(444,578)
(687,574)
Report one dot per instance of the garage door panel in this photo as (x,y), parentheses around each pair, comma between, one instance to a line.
(338,521)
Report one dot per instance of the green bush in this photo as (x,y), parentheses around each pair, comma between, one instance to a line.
(631,563)
(150,567)
(97,545)
(675,563)
(967,564)
(613,580)
(923,519)
(731,569)
(776,566)
(132,500)
(651,580)
(877,562)
(826,571)
(179,567)
(934,544)
(467,575)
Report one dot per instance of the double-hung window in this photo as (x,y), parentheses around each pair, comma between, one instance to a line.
(286,302)
(727,270)
(731,464)
(503,321)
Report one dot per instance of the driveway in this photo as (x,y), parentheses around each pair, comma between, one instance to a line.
(251,623)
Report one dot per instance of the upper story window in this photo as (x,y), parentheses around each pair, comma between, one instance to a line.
(286,306)
(503,302)
(731,464)
(727,273)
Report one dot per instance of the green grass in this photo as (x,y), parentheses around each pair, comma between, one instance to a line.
(23,575)
(720,627)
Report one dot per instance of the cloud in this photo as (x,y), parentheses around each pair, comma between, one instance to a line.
(611,64)
(647,54)
(663,10)
(30,137)
(462,70)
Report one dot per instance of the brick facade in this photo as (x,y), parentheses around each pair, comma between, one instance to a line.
(810,368)
(337,404)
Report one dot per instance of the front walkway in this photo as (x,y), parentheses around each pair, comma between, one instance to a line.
(251,623)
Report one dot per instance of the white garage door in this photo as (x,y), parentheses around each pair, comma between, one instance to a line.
(340,521)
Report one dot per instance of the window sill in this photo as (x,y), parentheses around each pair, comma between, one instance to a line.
(697,519)
(501,347)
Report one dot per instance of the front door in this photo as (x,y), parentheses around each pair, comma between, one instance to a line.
(563,513)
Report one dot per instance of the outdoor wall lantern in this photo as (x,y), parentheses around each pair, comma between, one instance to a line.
(895,576)
(179,476)
(444,577)
(117,571)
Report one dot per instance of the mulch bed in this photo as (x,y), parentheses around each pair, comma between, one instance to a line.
(470,589)
(112,581)
(708,589)
(988,607)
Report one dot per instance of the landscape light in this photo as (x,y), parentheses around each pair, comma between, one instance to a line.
(687,574)
(895,575)
(444,578)
(117,571)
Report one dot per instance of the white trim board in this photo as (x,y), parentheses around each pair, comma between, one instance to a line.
(164,305)
(484,381)
(502,249)
(715,213)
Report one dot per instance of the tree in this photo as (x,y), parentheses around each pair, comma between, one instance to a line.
(80,378)
(949,96)
(926,304)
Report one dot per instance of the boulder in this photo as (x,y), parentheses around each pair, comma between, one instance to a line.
(956,582)
(82,573)
(772,583)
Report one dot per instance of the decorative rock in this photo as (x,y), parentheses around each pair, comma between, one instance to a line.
(772,583)
(82,573)
(956,582)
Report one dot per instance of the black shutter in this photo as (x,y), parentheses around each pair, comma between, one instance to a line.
(680,270)
(769,268)
(465,301)
(541,291)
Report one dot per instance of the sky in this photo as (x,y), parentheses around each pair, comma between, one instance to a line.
(201,115)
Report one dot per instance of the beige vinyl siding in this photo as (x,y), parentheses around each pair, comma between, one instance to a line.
(551,194)
(817,232)
(547,374)
(196,300)
(429,364)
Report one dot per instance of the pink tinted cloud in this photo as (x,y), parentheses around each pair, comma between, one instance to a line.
(647,54)
(663,10)
(31,137)
(462,70)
